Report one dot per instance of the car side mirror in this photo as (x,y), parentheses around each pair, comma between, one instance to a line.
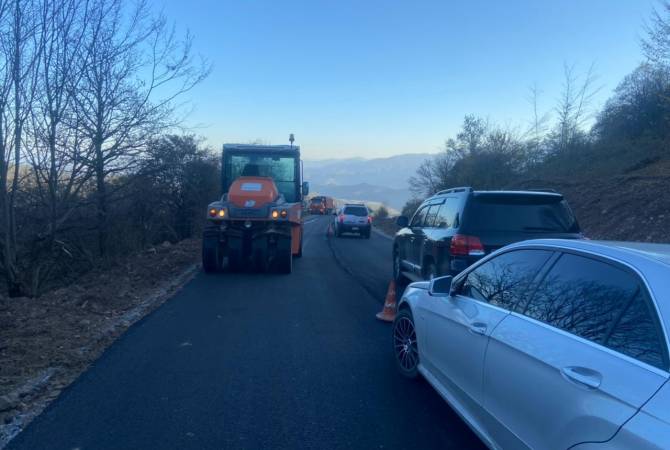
(402,221)
(456,286)
(305,188)
(441,286)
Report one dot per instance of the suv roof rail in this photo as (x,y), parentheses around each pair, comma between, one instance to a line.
(456,189)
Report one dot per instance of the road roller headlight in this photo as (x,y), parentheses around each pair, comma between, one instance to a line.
(217,213)
(279,213)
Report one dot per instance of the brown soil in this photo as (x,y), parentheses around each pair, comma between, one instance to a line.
(46,342)
(631,207)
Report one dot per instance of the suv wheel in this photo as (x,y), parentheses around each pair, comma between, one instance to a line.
(429,271)
(397,273)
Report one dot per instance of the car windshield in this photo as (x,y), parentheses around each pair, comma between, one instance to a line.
(281,169)
(528,214)
(360,211)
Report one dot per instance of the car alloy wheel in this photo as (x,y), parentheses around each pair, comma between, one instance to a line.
(404,344)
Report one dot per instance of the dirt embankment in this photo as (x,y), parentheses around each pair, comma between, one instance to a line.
(46,342)
(629,207)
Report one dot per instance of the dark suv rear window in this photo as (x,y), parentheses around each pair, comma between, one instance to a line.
(526,213)
(359,211)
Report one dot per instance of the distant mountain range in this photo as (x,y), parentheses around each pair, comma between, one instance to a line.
(395,198)
(382,180)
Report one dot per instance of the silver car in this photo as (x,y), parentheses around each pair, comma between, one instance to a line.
(353,218)
(548,344)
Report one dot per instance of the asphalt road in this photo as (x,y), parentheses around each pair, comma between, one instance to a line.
(259,361)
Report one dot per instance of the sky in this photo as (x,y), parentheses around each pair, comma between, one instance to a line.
(375,78)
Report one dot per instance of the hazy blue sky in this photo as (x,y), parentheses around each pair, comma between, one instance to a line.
(376,78)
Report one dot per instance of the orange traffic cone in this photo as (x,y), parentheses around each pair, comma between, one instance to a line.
(388,313)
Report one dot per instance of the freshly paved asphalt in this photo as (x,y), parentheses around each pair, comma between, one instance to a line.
(258,361)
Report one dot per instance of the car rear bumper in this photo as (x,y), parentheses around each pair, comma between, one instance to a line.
(353,228)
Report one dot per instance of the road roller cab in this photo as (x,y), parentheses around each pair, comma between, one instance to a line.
(258,220)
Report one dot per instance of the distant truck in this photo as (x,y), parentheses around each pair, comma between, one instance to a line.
(321,205)
(259,217)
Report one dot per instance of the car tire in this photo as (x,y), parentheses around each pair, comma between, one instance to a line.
(397,273)
(367,235)
(405,347)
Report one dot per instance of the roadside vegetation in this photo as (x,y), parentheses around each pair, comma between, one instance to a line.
(612,164)
(89,170)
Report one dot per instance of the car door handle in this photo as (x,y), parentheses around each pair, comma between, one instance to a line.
(477,328)
(582,375)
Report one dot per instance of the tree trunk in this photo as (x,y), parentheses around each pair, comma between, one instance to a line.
(14,287)
(101,199)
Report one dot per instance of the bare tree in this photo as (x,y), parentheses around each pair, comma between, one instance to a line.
(539,123)
(656,45)
(574,103)
(133,69)
(57,156)
(425,180)
(20,47)
(472,135)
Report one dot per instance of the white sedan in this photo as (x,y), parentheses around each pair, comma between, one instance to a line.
(548,344)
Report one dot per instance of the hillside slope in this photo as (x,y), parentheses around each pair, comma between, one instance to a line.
(629,207)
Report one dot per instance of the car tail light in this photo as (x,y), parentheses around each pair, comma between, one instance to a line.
(369,219)
(463,245)
(341,218)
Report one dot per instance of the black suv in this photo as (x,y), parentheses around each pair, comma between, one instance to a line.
(456,227)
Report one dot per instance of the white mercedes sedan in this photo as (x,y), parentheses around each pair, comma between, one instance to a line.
(548,344)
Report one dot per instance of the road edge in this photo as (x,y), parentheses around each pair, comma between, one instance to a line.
(382,234)
(48,387)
